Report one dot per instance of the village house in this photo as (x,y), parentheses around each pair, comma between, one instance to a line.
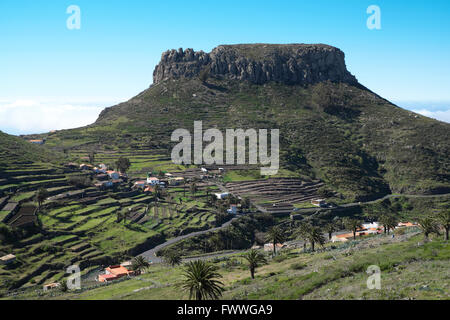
(104,184)
(176,181)
(269,246)
(318,202)
(152,180)
(7,259)
(221,196)
(113,273)
(140,184)
(85,166)
(113,174)
(51,286)
(37,141)
(233,209)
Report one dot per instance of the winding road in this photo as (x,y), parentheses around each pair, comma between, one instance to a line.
(150,255)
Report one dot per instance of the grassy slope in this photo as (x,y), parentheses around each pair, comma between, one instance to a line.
(407,271)
(359,144)
(15,153)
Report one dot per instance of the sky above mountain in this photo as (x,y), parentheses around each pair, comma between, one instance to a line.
(55,78)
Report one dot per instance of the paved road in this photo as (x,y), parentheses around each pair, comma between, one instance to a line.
(151,254)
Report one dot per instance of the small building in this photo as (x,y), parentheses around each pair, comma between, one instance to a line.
(103,166)
(153,181)
(318,202)
(371,225)
(116,182)
(269,246)
(204,170)
(149,189)
(37,141)
(113,273)
(222,196)
(51,286)
(85,166)
(104,184)
(233,209)
(113,174)
(140,184)
(176,181)
(102,177)
(7,259)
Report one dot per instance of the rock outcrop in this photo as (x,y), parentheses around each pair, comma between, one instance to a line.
(258,63)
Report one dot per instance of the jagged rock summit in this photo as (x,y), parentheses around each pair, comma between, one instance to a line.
(258,63)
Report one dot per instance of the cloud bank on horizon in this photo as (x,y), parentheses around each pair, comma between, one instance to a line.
(32,116)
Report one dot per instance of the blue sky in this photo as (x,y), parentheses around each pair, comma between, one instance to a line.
(65,77)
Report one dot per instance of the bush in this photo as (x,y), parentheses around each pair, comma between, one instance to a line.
(298,266)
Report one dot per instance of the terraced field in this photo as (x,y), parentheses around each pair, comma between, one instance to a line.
(85,225)
(276,191)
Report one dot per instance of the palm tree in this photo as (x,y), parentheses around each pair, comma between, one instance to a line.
(172,258)
(302,232)
(389,222)
(315,236)
(443,218)
(139,263)
(428,226)
(330,228)
(255,259)
(275,236)
(352,224)
(200,279)
(41,196)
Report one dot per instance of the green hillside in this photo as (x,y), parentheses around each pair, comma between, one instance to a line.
(410,269)
(359,144)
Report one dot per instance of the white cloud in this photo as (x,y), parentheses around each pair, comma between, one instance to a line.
(443,115)
(33,116)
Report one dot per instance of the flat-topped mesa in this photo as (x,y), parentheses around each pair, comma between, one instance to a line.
(258,63)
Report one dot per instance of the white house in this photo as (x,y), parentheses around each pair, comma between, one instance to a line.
(152,180)
(204,170)
(9,258)
(371,225)
(222,196)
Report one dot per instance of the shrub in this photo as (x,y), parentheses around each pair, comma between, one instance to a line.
(298,266)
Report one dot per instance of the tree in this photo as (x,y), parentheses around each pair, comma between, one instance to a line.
(443,219)
(330,228)
(200,279)
(315,236)
(246,203)
(172,258)
(254,259)
(139,263)
(41,196)
(275,236)
(193,189)
(389,222)
(123,164)
(312,234)
(428,226)
(91,156)
(352,224)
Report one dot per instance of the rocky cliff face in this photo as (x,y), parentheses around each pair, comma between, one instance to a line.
(258,63)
